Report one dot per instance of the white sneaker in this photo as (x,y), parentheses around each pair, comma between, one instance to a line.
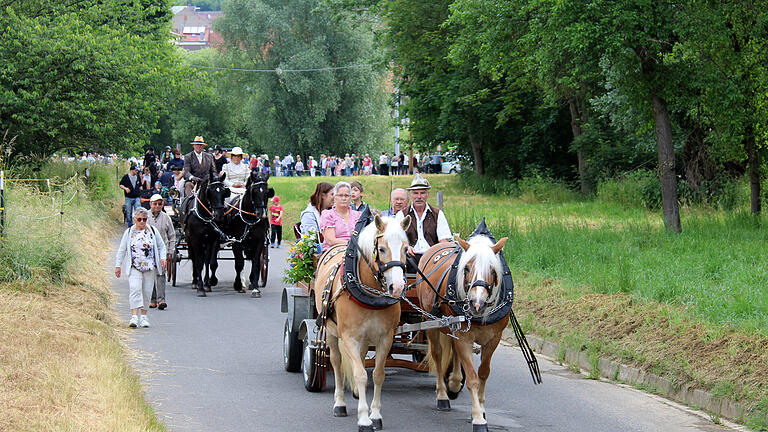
(133,322)
(144,322)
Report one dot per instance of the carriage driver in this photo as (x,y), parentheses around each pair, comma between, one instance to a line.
(198,165)
(431,225)
(237,174)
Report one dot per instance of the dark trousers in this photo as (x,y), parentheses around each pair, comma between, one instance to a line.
(277,231)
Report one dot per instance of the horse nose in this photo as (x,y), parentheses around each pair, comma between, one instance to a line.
(479,304)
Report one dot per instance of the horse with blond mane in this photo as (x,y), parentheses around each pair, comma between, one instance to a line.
(358,307)
(473,280)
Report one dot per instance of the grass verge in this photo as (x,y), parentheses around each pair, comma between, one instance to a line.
(62,364)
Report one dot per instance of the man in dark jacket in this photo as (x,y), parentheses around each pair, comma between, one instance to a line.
(130,185)
(198,165)
(149,161)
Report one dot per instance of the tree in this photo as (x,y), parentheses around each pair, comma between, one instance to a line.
(325,109)
(84,74)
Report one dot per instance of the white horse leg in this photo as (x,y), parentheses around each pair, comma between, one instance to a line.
(339,406)
(464,350)
(352,349)
(382,351)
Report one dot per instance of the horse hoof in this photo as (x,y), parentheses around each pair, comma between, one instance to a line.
(255,293)
(480,427)
(368,428)
(200,293)
(208,288)
(377,424)
(214,281)
(443,405)
(452,395)
(340,411)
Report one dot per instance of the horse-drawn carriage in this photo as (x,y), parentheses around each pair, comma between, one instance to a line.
(206,224)
(361,300)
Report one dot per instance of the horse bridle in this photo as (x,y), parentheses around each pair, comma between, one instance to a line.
(382,266)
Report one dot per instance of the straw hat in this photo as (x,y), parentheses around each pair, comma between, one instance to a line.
(419,182)
(199,140)
(236,151)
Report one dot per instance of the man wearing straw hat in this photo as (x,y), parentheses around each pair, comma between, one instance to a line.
(431,225)
(198,165)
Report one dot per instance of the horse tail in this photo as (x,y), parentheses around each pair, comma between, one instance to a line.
(446,354)
(346,367)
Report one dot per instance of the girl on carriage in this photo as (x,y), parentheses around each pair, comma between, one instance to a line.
(321,199)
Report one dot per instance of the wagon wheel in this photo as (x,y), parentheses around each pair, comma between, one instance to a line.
(314,377)
(264,266)
(175,258)
(451,394)
(292,349)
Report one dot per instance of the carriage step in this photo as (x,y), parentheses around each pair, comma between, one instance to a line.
(412,346)
(431,324)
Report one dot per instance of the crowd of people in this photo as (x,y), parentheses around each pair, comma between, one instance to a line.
(330,216)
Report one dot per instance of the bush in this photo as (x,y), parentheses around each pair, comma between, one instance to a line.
(637,189)
(539,188)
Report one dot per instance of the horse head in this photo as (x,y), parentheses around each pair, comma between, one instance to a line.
(384,243)
(215,195)
(259,192)
(480,273)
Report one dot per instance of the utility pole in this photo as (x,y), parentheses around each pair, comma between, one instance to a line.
(397,120)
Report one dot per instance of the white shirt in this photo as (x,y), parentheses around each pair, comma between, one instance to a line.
(443,230)
(236,173)
(199,157)
(382,160)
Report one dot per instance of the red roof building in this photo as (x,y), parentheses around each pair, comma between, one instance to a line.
(194,29)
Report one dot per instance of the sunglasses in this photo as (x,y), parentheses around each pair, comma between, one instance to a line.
(140,219)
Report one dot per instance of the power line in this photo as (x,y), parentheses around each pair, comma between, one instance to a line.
(279,70)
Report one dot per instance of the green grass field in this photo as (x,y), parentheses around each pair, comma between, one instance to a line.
(714,268)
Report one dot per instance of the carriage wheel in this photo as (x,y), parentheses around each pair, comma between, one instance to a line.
(264,266)
(174,266)
(314,379)
(292,349)
(453,395)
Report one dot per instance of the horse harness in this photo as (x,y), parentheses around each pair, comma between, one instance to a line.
(210,220)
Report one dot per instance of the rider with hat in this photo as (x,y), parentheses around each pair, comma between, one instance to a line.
(198,165)
(167,156)
(430,225)
(236,172)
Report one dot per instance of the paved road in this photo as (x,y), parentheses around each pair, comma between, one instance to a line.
(215,364)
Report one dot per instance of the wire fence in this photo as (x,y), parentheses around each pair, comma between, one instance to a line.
(60,192)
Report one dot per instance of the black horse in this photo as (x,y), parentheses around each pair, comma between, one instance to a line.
(204,212)
(248,224)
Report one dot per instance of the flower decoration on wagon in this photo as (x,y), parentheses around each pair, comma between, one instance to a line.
(301,266)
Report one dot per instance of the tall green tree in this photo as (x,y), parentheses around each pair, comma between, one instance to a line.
(84,74)
(335,106)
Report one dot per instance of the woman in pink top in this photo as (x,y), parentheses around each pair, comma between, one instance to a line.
(338,222)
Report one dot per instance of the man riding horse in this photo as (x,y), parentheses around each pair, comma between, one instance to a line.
(429,224)
(198,165)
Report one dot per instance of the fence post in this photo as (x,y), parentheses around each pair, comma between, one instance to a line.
(2,205)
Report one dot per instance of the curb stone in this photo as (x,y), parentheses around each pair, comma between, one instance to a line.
(615,371)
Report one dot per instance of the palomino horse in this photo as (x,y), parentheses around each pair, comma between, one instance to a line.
(478,288)
(352,327)
(201,212)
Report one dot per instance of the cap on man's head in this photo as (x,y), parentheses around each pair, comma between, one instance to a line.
(134,168)
(419,183)
(155,197)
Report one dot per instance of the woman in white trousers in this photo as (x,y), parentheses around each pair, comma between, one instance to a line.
(142,254)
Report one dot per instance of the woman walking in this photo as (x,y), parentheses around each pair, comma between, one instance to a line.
(142,254)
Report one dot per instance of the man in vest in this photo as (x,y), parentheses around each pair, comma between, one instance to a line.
(198,165)
(430,225)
